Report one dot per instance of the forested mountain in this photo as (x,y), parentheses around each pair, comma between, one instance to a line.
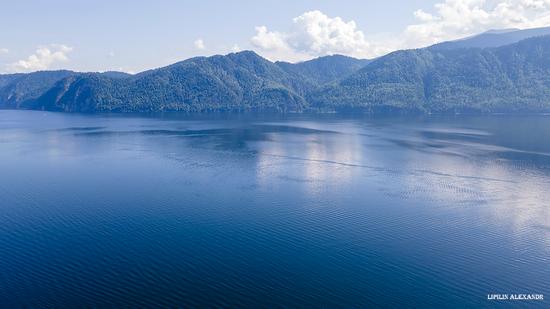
(510,78)
(18,88)
(237,81)
(505,79)
(234,82)
(494,38)
(8,78)
(325,69)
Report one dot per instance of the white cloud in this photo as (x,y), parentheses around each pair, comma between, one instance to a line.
(315,34)
(111,54)
(42,59)
(199,44)
(455,19)
(270,41)
(4,50)
(423,16)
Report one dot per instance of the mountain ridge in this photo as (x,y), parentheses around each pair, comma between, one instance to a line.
(493,38)
(508,78)
(511,78)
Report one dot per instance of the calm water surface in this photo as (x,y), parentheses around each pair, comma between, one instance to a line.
(252,211)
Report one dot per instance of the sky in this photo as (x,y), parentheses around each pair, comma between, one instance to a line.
(134,36)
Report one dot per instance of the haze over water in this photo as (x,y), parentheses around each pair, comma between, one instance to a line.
(263,211)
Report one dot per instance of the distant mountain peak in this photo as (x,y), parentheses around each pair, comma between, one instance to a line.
(246,52)
(324,69)
(500,31)
(493,38)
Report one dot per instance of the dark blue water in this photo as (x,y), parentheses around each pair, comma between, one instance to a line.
(255,211)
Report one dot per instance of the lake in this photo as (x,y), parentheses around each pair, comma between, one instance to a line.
(235,210)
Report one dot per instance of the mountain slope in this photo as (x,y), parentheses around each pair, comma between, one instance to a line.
(493,38)
(510,78)
(324,69)
(17,88)
(234,82)
(6,79)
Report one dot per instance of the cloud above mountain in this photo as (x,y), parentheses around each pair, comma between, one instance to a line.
(199,44)
(298,37)
(315,34)
(43,58)
(454,19)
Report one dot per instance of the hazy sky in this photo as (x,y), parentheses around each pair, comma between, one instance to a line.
(136,35)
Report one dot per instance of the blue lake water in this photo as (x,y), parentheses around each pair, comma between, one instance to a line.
(272,211)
